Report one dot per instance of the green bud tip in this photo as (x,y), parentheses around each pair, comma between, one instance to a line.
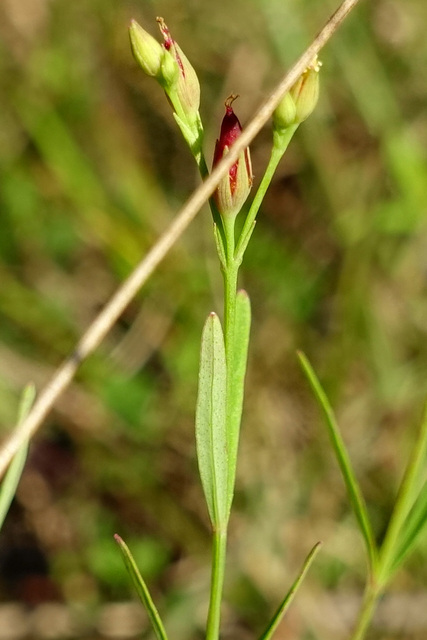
(301,99)
(147,52)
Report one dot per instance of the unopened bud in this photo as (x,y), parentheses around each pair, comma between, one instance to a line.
(285,113)
(187,83)
(146,50)
(235,186)
(301,99)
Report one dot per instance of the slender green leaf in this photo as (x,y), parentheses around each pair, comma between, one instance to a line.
(211,439)
(237,384)
(353,488)
(287,600)
(142,589)
(410,510)
(411,530)
(13,475)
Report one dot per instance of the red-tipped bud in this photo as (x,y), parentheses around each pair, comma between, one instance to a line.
(187,87)
(234,187)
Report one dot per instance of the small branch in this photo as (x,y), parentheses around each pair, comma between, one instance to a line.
(127,291)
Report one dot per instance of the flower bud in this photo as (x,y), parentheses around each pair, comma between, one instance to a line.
(146,50)
(187,87)
(301,100)
(234,187)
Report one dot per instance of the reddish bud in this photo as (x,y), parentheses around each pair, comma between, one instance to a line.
(234,188)
(187,86)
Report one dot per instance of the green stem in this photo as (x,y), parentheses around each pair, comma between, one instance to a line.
(230,285)
(280,145)
(217,582)
(230,273)
(369,604)
(204,173)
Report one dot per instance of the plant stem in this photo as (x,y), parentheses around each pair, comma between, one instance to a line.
(217,582)
(230,285)
(276,155)
(230,272)
(370,599)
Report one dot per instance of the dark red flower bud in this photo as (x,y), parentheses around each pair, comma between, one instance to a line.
(234,188)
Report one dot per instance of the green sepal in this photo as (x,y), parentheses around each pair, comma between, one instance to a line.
(211,438)
(219,243)
(188,133)
(142,589)
(236,384)
(287,600)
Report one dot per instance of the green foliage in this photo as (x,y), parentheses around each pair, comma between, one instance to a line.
(13,474)
(354,492)
(287,600)
(211,434)
(93,168)
(142,590)
(236,388)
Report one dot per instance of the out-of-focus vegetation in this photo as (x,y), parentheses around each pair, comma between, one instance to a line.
(92,169)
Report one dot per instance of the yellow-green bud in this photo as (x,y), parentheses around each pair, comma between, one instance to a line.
(169,70)
(301,100)
(285,113)
(146,50)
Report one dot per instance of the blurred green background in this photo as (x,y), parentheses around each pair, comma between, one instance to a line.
(92,170)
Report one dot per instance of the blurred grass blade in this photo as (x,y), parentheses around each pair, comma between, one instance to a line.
(211,437)
(353,489)
(411,530)
(286,602)
(142,589)
(410,509)
(237,385)
(13,475)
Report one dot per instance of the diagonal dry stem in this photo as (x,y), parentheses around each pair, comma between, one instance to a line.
(119,301)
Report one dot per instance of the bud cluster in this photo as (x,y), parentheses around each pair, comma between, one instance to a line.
(170,66)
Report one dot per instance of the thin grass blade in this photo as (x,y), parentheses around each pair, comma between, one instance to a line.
(142,589)
(286,602)
(237,387)
(410,509)
(415,524)
(211,437)
(353,488)
(13,475)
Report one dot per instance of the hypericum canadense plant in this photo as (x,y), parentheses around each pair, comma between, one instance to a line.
(224,344)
